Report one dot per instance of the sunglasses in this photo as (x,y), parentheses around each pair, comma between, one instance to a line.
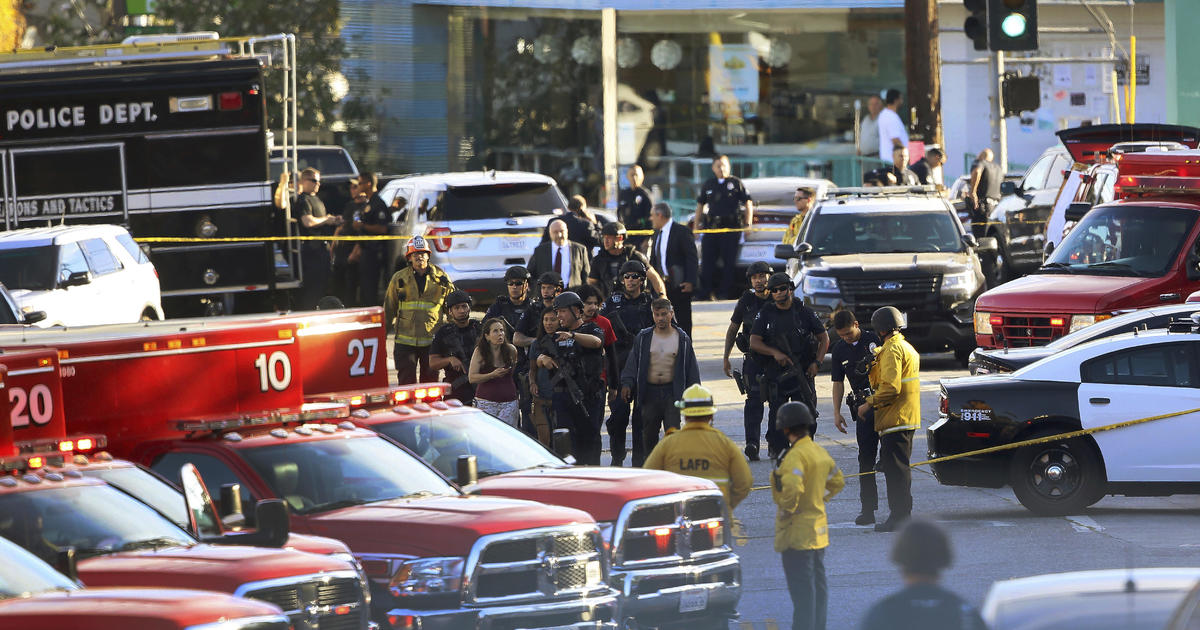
(517,283)
(779,289)
(633,276)
(315,181)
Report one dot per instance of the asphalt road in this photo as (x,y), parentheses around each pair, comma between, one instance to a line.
(994,537)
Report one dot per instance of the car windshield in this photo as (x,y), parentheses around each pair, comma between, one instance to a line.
(832,234)
(497,447)
(93,519)
(22,574)
(146,487)
(496,201)
(30,268)
(1123,240)
(324,475)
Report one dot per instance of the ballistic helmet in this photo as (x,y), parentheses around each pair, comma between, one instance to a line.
(566,299)
(416,244)
(633,266)
(794,415)
(697,401)
(757,267)
(780,279)
(551,278)
(457,297)
(516,272)
(885,320)
(613,228)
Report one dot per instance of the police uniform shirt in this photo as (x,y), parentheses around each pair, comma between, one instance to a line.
(747,309)
(772,321)
(923,607)
(444,344)
(606,268)
(633,208)
(530,323)
(847,356)
(724,198)
(511,313)
(634,315)
(342,249)
(588,362)
(375,213)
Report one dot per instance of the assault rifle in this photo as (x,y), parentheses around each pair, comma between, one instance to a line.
(565,375)
(455,345)
(770,385)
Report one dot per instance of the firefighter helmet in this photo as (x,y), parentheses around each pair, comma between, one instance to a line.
(757,267)
(457,297)
(793,415)
(416,244)
(885,320)
(566,299)
(697,402)
(613,228)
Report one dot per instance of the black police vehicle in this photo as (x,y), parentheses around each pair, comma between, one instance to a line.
(865,248)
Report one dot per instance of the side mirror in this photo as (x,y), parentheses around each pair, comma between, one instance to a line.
(274,525)
(969,240)
(65,563)
(77,278)
(1049,249)
(203,521)
(987,245)
(466,471)
(1193,266)
(785,251)
(1076,210)
(33,317)
(1008,188)
(560,440)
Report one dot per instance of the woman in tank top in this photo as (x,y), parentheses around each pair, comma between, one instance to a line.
(491,373)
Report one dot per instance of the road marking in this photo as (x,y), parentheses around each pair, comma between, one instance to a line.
(1084,524)
(740,538)
(771,625)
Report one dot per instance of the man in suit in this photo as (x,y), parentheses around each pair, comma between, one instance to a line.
(673,254)
(568,259)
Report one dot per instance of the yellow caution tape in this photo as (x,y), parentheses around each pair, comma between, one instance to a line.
(1042,440)
(405,237)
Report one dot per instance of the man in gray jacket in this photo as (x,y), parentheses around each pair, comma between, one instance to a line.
(660,366)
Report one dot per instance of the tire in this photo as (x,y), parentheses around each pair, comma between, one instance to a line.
(998,270)
(1057,478)
(148,315)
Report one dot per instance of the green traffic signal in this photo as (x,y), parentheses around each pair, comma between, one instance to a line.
(1014,25)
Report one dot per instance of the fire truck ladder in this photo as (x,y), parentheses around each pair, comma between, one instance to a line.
(277,52)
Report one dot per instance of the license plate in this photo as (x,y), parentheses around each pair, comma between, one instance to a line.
(512,242)
(693,600)
(592,572)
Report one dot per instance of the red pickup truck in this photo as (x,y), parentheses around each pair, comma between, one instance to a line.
(668,541)
(1139,251)
(446,558)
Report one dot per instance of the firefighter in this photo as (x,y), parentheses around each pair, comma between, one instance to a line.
(743,317)
(629,312)
(414,307)
(453,344)
(896,403)
(791,342)
(577,363)
(803,482)
(614,253)
(700,450)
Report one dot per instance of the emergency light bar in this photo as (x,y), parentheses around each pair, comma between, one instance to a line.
(390,397)
(309,412)
(73,444)
(26,463)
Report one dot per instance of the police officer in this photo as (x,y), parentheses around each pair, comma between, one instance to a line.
(372,222)
(896,404)
(453,344)
(549,285)
(743,317)
(414,306)
(791,342)
(803,482)
(634,205)
(700,450)
(922,552)
(629,311)
(606,265)
(852,355)
(577,365)
(724,196)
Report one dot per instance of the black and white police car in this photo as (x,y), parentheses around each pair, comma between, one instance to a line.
(1125,377)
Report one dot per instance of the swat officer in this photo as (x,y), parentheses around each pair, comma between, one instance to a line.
(803,482)
(852,355)
(743,317)
(724,196)
(606,265)
(577,365)
(511,308)
(791,343)
(896,404)
(549,285)
(629,311)
(453,344)
(701,450)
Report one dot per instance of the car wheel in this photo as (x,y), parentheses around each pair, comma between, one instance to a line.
(998,270)
(1057,478)
(148,315)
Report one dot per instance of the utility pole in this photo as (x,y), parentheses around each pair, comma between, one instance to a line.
(996,94)
(922,65)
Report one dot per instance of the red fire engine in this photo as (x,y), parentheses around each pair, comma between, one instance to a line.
(1138,251)
(442,556)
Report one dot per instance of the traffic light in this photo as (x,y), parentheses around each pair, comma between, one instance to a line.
(976,24)
(1012,24)
(1021,94)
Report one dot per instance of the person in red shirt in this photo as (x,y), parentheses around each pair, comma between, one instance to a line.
(591,313)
